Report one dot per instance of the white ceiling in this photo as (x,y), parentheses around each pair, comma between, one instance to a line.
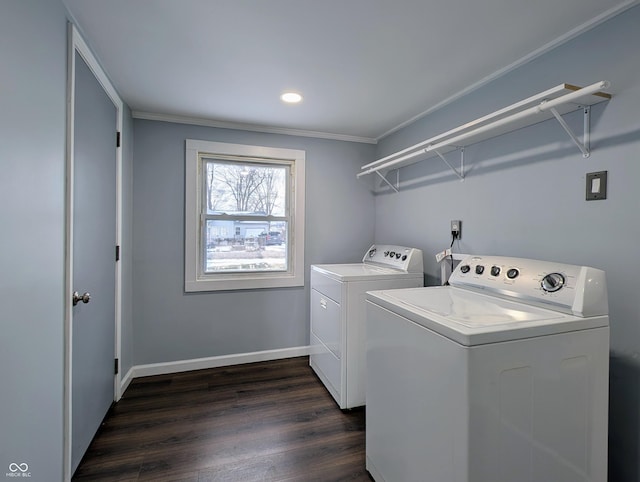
(364,67)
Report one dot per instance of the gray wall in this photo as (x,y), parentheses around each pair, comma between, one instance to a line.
(171,325)
(524,196)
(33,35)
(523,189)
(32,161)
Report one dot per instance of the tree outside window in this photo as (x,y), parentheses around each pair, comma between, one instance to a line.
(244,216)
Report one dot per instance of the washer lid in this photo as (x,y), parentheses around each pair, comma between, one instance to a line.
(471,318)
(362,272)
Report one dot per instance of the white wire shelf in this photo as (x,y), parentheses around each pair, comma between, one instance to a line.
(555,102)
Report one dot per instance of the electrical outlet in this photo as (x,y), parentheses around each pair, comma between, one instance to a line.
(456,229)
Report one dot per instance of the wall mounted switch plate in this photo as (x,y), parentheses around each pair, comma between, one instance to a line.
(596,186)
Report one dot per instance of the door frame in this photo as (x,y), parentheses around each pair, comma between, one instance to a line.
(77,44)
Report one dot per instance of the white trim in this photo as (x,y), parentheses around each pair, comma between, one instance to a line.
(216,361)
(295,276)
(198,121)
(68,334)
(594,22)
(126,380)
(77,44)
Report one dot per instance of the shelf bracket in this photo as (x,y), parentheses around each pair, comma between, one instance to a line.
(459,173)
(387,181)
(583,146)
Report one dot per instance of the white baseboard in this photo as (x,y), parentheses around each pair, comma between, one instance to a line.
(211,362)
(126,380)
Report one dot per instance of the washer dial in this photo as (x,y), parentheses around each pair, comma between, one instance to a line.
(552,282)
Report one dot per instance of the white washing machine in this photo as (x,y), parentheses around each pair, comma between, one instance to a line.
(500,377)
(337,335)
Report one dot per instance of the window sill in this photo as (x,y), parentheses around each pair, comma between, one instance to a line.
(234,283)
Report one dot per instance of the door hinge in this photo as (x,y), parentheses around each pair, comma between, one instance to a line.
(118,139)
(116,366)
(117,253)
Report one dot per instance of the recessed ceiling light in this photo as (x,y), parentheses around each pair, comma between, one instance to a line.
(291,97)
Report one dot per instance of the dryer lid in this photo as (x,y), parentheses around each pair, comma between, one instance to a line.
(471,318)
(361,272)
(472,309)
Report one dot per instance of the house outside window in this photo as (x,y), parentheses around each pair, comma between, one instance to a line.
(244,224)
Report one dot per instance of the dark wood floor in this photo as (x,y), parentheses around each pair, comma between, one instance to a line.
(269,421)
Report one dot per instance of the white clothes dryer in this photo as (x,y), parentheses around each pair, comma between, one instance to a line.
(337,335)
(500,377)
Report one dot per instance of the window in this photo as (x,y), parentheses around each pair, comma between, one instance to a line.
(244,217)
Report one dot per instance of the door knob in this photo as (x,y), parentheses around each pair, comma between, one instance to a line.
(77,298)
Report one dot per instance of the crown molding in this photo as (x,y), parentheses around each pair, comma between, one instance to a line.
(580,29)
(198,121)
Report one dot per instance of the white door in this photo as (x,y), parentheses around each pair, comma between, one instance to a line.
(94,258)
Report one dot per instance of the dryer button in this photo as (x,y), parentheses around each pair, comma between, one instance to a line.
(552,282)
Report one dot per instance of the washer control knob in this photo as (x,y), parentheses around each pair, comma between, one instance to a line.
(398,255)
(386,253)
(552,282)
(513,273)
(404,257)
(495,270)
(392,254)
(465,268)
(372,251)
(479,269)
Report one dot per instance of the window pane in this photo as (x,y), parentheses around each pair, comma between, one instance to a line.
(244,216)
(237,246)
(243,188)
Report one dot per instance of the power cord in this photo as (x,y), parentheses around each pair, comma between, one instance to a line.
(454,236)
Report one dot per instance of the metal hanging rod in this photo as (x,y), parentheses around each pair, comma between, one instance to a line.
(553,102)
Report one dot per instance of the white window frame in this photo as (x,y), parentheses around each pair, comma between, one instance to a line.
(195,280)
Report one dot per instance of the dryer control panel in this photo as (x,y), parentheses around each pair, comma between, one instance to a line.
(580,290)
(391,256)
